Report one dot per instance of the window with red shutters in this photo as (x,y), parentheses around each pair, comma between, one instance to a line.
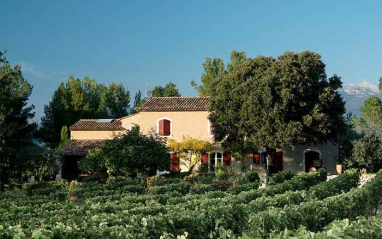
(164,127)
(227,158)
(174,162)
(256,158)
(161,128)
(204,158)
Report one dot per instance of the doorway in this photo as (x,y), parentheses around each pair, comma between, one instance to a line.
(312,160)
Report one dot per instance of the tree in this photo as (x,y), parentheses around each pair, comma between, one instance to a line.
(41,162)
(215,68)
(65,137)
(76,99)
(371,116)
(117,100)
(380,85)
(16,128)
(138,101)
(131,153)
(189,150)
(169,90)
(366,151)
(273,103)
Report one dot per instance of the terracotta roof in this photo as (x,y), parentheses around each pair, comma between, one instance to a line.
(155,104)
(97,125)
(81,147)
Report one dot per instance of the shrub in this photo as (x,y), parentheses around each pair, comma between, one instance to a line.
(252,177)
(202,188)
(362,228)
(221,185)
(316,214)
(243,187)
(281,177)
(129,154)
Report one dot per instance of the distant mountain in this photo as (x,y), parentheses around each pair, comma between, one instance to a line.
(354,94)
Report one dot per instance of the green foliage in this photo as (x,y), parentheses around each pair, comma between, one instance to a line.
(169,90)
(189,150)
(273,103)
(315,214)
(361,228)
(131,153)
(138,101)
(252,177)
(81,99)
(41,162)
(371,112)
(16,128)
(123,208)
(214,69)
(365,151)
(281,177)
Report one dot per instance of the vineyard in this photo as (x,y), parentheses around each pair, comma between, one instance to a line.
(291,206)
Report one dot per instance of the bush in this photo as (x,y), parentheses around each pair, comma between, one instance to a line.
(281,177)
(131,153)
(221,185)
(202,188)
(181,187)
(243,187)
(252,177)
(314,215)
(362,228)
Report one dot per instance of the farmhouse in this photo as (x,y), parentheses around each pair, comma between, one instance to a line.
(178,118)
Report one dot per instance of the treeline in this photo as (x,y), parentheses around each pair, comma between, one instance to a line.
(27,149)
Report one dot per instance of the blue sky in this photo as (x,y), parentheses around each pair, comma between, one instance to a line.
(148,43)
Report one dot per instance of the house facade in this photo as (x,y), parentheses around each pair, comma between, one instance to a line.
(178,118)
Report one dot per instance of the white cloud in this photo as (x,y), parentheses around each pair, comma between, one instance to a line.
(29,69)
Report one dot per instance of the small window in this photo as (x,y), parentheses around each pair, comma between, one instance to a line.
(164,127)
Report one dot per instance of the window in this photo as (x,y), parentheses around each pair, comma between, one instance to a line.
(164,127)
(217,158)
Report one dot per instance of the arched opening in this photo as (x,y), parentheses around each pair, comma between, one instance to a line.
(312,160)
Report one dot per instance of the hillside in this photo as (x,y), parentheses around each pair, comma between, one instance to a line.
(355,94)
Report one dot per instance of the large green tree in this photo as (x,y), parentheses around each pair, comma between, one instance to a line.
(81,98)
(169,90)
(16,128)
(215,68)
(130,154)
(272,103)
(370,121)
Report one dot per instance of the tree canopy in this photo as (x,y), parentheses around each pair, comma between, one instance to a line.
(81,98)
(169,90)
(272,103)
(370,121)
(16,128)
(214,68)
(129,154)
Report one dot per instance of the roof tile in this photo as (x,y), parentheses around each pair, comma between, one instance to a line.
(81,147)
(160,104)
(97,125)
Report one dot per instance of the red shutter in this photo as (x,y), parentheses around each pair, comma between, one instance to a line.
(161,127)
(256,158)
(166,127)
(174,162)
(204,157)
(278,161)
(227,158)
